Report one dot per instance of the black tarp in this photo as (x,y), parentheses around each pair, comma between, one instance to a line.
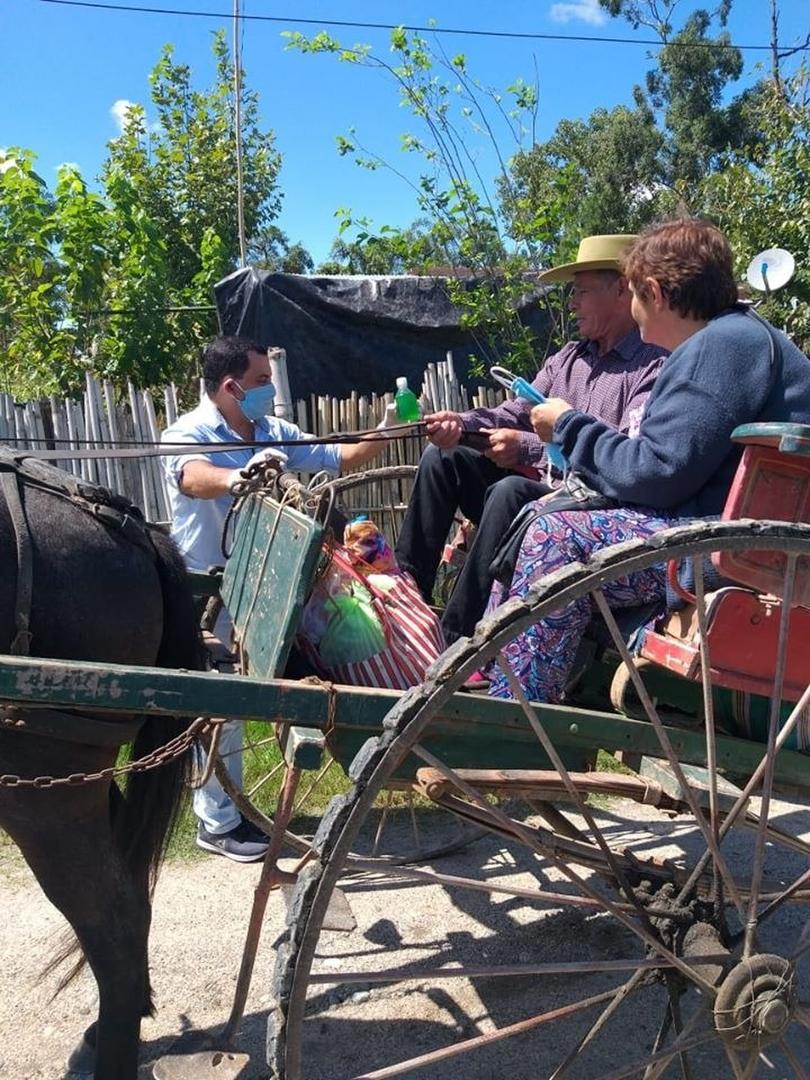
(354,333)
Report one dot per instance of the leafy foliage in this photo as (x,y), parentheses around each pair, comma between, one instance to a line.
(760,196)
(464,224)
(685,145)
(94,280)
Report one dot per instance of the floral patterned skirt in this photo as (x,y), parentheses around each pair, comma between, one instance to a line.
(542,656)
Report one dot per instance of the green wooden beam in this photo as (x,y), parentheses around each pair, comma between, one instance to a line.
(125,689)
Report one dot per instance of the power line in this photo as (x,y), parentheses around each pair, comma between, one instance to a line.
(465,31)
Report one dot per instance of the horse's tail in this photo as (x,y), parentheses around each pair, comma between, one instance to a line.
(143,820)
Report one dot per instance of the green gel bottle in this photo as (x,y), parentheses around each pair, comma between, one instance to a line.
(407,402)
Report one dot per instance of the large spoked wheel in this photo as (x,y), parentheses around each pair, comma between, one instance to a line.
(606,939)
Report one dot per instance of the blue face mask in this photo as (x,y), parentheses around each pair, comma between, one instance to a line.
(258,401)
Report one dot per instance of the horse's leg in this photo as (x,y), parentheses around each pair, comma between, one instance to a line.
(69,845)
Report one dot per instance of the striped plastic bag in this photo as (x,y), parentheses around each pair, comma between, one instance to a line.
(412,633)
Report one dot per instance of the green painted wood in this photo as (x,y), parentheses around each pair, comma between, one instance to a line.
(302,747)
(116,687)
(792,444)
(773,435)
(480,743)
(267,579)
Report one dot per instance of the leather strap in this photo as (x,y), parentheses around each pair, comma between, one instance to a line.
(21,645)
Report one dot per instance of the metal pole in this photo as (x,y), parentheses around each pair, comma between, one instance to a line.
(237,87)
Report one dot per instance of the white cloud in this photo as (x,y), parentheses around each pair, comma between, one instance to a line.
(119,110)
(587,11)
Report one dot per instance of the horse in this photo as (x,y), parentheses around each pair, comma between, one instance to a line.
(93,582)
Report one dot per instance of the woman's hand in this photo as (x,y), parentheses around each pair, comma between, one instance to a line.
(545,416)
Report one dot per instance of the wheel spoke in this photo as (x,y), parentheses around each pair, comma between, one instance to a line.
(570,786)
(770,754)
(527,838)
(487,1039)
(621,994)
(414,824)
(777,835)
(739,806)
(677,1023)
(796,1065)
(687,1040)
(321,774)
(663,1031)
(483,971)
(734,1062)
(708,713)
(268,776)
(666,745)
(475,884)
(775,904)
(375,847)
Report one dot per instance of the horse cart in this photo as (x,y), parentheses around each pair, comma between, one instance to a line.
(662,902)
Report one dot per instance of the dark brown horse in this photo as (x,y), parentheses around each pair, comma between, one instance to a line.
(104,588)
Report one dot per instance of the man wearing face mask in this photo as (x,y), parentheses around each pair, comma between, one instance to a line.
(238,406)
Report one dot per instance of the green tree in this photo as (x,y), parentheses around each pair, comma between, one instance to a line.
(113,281)
(422,247)
(271,249)
(760,196)
(181,162)
(600,175)
(29,302)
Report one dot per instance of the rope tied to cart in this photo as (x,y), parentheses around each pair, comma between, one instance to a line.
(331,700)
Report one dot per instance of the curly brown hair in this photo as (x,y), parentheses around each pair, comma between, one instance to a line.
(692,262)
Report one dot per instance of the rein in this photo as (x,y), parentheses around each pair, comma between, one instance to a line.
(121,448)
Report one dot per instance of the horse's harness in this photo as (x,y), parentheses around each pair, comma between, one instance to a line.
(16,473)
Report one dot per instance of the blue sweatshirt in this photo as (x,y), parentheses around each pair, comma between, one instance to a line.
(682,462)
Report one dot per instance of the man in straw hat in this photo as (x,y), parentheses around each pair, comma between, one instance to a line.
(608,372)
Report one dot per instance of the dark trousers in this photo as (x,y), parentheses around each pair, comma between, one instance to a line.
(490,496)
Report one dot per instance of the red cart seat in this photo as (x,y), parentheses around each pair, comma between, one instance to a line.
(742,630)
(772,483)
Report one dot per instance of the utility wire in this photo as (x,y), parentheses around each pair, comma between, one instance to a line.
(465,31)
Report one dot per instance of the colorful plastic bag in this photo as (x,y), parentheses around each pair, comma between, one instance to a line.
(338,634)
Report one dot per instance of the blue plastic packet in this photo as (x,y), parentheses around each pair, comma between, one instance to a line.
(525,390)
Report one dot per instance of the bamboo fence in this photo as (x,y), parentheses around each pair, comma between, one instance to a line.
(101,419)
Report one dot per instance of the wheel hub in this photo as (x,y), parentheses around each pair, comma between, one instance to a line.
(756,1001)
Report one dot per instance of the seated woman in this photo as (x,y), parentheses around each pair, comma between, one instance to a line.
(726,367)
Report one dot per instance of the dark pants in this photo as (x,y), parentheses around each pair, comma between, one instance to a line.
(485,493)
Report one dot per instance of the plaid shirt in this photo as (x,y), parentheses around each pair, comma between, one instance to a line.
(613,388)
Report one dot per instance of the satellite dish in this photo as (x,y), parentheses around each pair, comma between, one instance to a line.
(770,270)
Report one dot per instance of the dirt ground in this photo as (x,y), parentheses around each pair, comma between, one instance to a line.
(200,915)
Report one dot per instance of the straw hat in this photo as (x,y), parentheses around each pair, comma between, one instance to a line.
(594,253)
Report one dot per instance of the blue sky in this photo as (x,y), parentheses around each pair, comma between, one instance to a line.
(65,68)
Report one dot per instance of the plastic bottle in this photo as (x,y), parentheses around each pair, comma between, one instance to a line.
(407,402)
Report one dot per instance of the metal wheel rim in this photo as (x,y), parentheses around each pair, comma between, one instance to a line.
(413,713)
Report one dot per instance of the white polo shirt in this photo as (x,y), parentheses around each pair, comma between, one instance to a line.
(197,523)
